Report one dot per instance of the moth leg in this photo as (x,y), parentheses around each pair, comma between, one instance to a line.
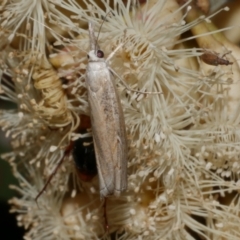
(113,52)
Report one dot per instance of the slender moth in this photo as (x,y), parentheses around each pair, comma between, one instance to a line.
(107,120)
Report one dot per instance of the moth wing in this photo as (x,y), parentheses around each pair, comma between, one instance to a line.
(109,139)
(121,160)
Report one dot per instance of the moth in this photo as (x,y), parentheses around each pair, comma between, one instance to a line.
(107,120)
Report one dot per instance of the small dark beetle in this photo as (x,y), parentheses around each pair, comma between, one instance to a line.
(212,58)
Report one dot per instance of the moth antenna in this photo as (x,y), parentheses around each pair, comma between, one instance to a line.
(96,41)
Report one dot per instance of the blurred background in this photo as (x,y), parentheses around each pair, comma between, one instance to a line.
(8,223)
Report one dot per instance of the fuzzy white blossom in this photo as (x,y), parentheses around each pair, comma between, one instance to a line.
(182,125)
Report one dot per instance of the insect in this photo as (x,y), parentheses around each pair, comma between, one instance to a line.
(107,120)
(212,58)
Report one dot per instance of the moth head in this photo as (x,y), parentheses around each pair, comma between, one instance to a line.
(97,55)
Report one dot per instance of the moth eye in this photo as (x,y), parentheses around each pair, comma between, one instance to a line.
(100,54)
(88,56)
